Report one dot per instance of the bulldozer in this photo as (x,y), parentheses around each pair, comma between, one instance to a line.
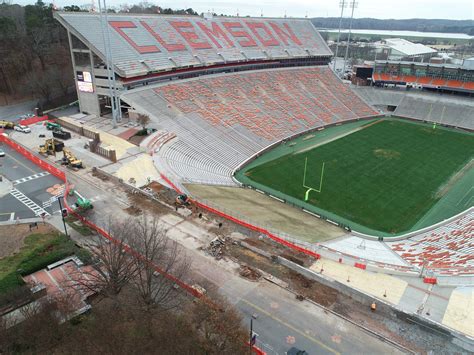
(70,159)
(51,146)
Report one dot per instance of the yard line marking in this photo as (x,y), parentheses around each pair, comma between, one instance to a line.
(28,202)
(29,178)
(465,196)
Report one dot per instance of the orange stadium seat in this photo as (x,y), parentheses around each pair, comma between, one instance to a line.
(469,85)
(282,102)
(439,82)
(410,78)
(454,83)
(424,80)
(447,248)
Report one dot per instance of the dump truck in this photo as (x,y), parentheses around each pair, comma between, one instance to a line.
(70,159)
(51,146)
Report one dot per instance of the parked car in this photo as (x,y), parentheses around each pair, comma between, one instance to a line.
(2,153)
(21,128)
(296,351)
(26,115)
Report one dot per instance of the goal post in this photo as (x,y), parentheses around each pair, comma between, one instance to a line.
(310,188)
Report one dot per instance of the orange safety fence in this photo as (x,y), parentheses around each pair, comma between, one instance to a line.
(246,224)
(430,280)
(32,120)
(62,176)
(33,158)
(130,250)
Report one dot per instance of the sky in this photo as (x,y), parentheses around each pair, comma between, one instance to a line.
(384,9)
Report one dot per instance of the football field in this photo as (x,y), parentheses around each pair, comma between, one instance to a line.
(384,176)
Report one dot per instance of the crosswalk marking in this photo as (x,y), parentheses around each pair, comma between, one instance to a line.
(28,202)
(29,178)
(49,203)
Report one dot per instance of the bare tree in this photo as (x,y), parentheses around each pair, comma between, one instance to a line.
(143,119)
(113,267)
(35,329)
(220,324)
(40,85)
(157,256)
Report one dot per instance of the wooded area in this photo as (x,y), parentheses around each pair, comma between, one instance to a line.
(34,52)
(35,62)
(135,309)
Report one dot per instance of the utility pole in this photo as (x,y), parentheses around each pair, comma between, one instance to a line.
(62,214)
(342,5)
(250,337)
(353,5)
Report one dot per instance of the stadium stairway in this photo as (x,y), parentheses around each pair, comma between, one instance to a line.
(447,249)
(222,120)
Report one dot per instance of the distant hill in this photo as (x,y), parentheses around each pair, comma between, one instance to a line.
(422,25)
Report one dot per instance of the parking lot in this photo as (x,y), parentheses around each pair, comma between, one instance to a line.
(32,191)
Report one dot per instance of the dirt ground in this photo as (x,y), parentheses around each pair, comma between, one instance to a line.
(12,236)
(268,212)
(141,203)
(386,323)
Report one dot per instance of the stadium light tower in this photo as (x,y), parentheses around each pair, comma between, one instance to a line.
(342,5)
(353,5)
(114,96)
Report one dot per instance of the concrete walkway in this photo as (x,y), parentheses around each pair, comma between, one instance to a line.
(452,307)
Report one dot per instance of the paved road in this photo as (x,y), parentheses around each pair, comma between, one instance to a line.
(281,321)
(12,112)
(33,187)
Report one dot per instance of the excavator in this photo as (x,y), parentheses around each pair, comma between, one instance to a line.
(70,159)
(51,146)
(182,200)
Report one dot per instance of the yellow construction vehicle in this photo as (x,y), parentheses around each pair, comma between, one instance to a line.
(70,159)
(7,124)
(51,146)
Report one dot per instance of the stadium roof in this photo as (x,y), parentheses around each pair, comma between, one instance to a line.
(408,48)
(151,43)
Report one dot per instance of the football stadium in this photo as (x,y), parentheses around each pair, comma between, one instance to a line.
(252,121)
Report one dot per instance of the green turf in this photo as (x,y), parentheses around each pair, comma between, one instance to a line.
(386,176)
(39,251)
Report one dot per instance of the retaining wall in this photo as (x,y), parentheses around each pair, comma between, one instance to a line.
(451,335)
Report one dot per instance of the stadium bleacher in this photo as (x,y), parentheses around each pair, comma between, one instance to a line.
(427,81)
(438,111)
(154,43)
(425,106)
(448,248)
(220,121)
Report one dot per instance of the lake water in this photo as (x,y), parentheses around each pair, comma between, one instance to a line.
(405,33)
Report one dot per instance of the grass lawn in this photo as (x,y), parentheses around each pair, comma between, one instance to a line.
(385,176)
(78,226)
(38,251)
